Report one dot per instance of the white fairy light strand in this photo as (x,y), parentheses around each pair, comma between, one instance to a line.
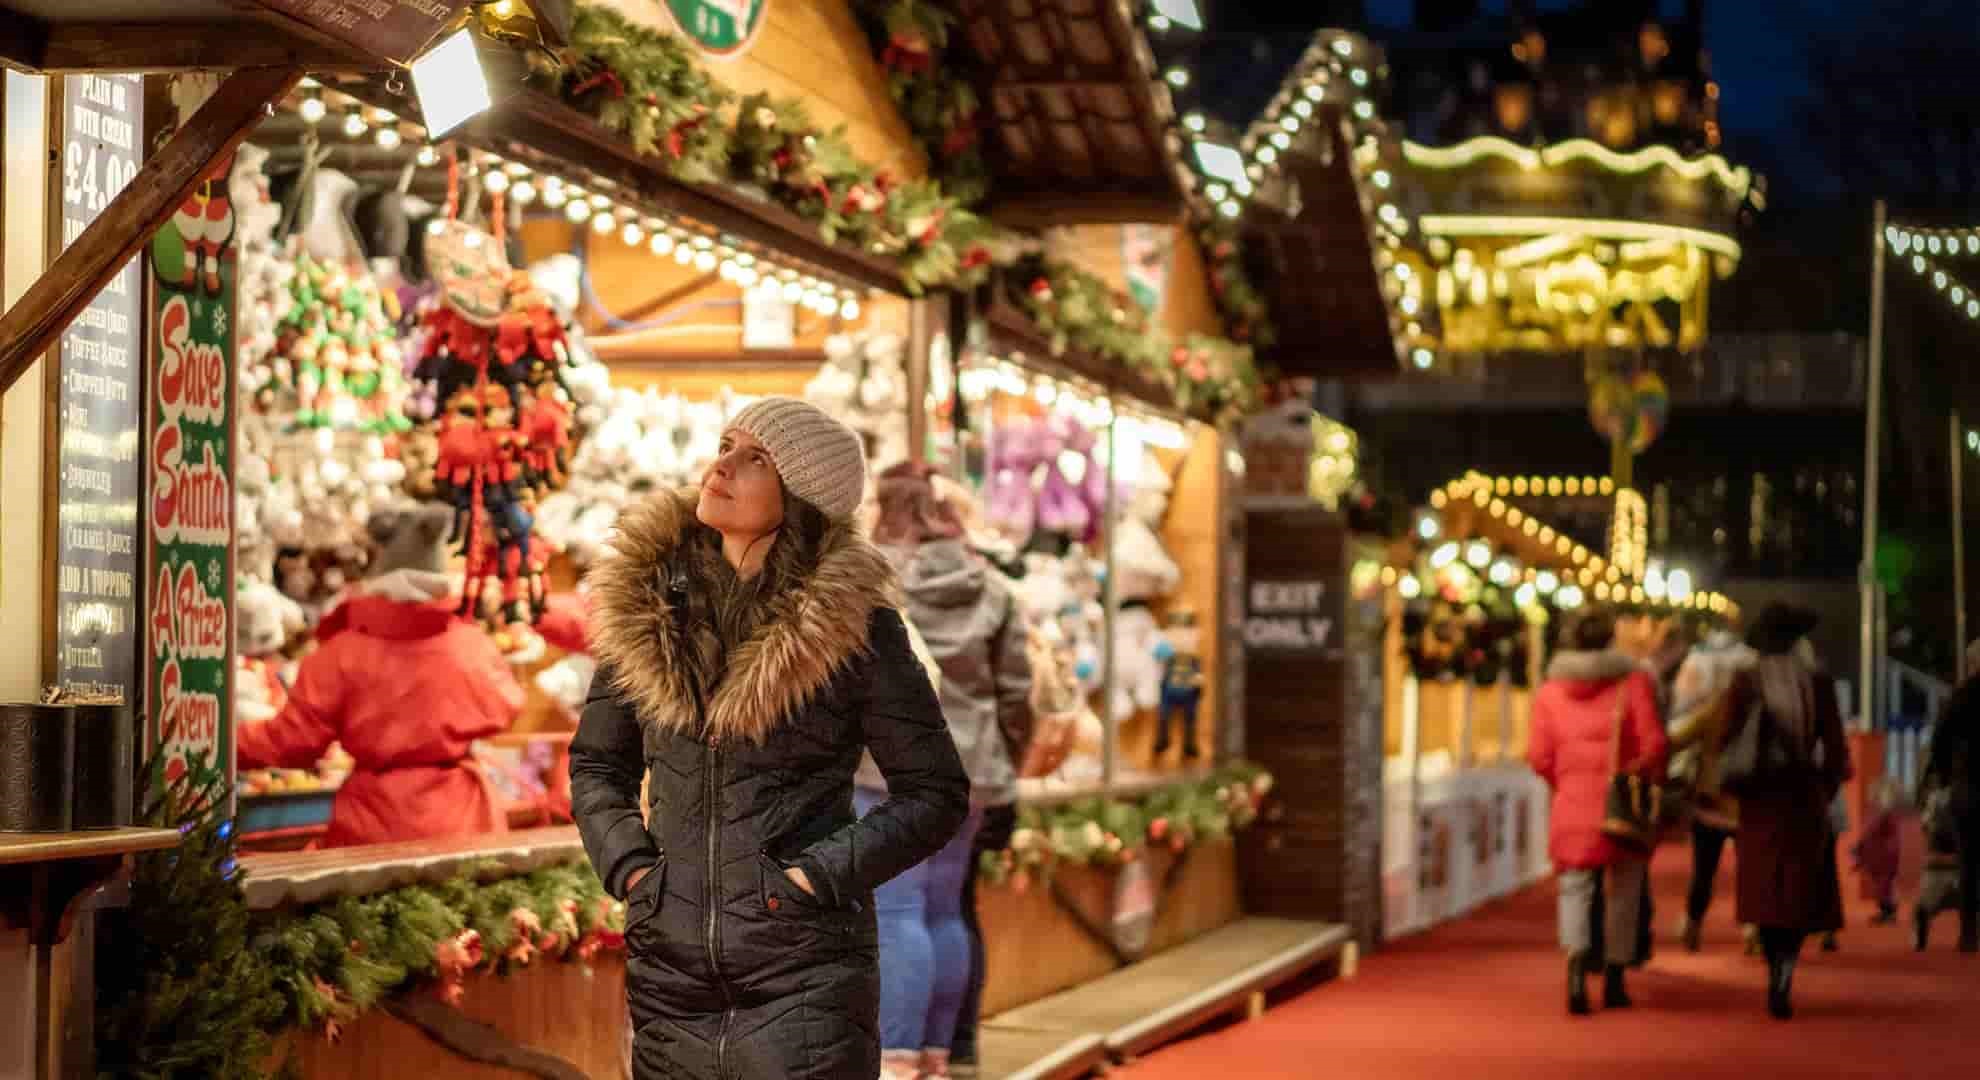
(1916,248)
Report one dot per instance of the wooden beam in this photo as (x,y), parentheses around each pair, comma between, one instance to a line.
(32,325)
(1043,209)
(158,48)
(22,41)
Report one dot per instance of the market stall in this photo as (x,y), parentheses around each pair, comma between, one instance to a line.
(1474,595)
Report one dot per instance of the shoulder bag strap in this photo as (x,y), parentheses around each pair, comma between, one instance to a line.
(1615,732)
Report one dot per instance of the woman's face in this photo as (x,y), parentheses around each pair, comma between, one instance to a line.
(740,493)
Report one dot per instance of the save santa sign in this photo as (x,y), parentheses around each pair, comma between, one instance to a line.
(189,617)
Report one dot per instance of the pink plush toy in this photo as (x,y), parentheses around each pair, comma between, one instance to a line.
(1016,453)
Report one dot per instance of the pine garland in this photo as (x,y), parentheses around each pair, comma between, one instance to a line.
(1104,832)
(912,39)
(1206,375)
(644,84)
(333,961)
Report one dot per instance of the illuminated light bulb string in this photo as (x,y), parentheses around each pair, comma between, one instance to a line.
(1922,250)
(1578,576)
(513,185)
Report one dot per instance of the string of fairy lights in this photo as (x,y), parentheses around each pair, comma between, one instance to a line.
(1921,250)
(606,214)
(1567,574)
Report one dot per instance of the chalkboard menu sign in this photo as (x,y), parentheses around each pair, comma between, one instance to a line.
(102,394)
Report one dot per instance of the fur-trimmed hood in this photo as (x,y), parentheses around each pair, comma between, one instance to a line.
(808,633)
(1587,672)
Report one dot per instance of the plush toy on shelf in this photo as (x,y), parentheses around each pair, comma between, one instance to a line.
(264,622)
(1182,682)
(864,383)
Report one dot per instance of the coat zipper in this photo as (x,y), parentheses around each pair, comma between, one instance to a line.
(713,938)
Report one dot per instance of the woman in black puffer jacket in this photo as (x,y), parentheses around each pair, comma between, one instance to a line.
(748,650)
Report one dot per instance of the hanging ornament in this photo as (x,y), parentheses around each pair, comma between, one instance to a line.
(1629,410)
(493,354)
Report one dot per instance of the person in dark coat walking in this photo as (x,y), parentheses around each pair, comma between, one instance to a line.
(748,651)
(1591,690)
(1950,790)
(1789,884)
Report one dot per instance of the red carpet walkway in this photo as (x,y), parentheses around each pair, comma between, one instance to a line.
(1482,998)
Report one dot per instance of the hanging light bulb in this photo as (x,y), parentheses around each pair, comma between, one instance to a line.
(1315,91)
(602,223)
(1290,123)
(683,254)
(312,109)
(1303,108)
(495,180)
(1268,154)
(849,308)
(1343,47)
(553,192)
(632,234)
(601,202)
(1382,179)
(661,244)
(793,292)
(746,276)
(1230,209)
(502,9)
(1282,140)
(705,261)
(428,156)
(1177,77)
(1363,110)
(523,192)
(1159,23)
(1409,587)
(1195,122)
(354,125)
(578,211)
(1359,76)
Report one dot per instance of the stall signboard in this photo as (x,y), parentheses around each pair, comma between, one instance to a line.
(723,28)
(189,622)
(102,392)
(396,30)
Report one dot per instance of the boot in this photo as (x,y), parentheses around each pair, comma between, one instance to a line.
(934,1062)
(1969,932)
(1886,914)
(1780,988)
(1690,934)
(1921,928)
(1614,994)
(900,1065)
(1577,984)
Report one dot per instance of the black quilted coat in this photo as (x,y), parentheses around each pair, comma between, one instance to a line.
(733,972)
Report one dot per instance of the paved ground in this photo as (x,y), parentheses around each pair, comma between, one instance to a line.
(1483,998)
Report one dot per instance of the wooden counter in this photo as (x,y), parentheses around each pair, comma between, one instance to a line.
(308,877)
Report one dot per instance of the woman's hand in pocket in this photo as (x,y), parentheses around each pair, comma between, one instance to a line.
(799,879)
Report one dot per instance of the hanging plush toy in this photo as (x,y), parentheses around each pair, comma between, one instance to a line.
(493,352)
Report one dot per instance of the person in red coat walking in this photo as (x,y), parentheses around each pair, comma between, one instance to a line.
(1591,691)
(406,686)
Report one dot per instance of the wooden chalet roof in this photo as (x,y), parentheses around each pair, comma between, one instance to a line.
(1079,126)
(1316,264)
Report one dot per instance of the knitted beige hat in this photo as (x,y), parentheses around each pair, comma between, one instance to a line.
(819,459)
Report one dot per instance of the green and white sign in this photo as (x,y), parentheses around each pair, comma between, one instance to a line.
(722,28)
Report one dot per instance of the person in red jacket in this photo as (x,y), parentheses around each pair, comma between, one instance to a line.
(1593,696)
(406,687)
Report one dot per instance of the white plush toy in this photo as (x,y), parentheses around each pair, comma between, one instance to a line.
(264,620)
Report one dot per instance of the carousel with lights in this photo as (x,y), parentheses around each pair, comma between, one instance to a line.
(1475,596)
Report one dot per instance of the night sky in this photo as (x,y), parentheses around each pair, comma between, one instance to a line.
(1755,47)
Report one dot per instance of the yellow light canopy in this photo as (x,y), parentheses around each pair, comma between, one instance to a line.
(1492,247)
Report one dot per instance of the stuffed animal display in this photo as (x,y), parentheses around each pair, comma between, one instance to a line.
(645,440)
(1042,477)
(864,383)
(320,402)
